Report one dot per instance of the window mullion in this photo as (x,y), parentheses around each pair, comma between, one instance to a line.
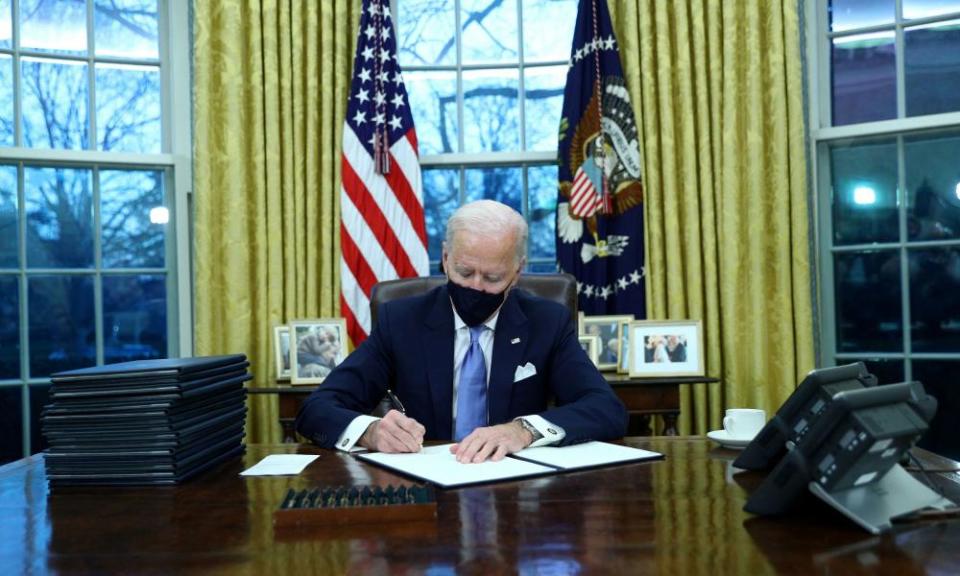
(91,81)
(489,158)
(823,44)
(97,268)
(17,100)
(899,64)
(25,420)
(167,82)
(24,328)
(22,249)
(458,39)
(904,253)
(525,202)
(521,89)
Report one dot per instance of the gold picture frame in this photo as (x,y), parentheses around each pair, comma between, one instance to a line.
(591,346)
(281,352)
(666,348)
(607,328)
(623,364)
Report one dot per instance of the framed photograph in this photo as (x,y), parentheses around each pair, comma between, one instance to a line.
(666,348)
(623,367)
(591,345)
(281,351)
(607,328)
(316,347)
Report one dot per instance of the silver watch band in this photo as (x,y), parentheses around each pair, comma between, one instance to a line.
(530,428)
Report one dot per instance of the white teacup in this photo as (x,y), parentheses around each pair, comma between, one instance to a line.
(744,422)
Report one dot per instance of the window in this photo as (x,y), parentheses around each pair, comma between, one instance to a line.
(92,172)
(486,80)
(885,127)
(892,59)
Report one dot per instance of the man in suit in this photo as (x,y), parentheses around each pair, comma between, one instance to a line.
(474,360)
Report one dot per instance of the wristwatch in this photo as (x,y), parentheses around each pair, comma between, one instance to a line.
(530,428)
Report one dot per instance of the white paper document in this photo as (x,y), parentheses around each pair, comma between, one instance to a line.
(280,465)
(437,465)
(585,455)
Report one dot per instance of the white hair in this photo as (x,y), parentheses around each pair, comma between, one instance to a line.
(489,218)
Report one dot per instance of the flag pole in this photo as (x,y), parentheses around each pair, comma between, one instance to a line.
(381,141)
(599,154)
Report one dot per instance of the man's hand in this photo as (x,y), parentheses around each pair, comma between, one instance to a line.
(394,433)
(493,442)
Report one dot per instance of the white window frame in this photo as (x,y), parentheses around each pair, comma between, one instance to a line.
(176,162)
(821,135)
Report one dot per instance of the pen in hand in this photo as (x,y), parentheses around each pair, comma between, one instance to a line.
(396,402)
(398,406)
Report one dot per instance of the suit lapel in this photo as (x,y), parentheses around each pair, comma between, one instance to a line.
(438,354)
(509,342)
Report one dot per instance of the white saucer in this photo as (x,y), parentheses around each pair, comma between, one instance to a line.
(727,441)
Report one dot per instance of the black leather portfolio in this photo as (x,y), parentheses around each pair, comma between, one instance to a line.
(144,422)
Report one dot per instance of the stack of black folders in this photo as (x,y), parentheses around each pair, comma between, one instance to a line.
(343,505)
(144,422)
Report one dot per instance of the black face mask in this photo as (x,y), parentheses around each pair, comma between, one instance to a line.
(474,306)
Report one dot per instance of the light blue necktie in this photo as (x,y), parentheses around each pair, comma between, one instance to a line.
(472,389)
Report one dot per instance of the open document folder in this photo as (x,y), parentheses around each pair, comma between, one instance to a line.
(437,465)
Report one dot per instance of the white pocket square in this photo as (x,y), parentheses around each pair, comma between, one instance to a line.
(525,371)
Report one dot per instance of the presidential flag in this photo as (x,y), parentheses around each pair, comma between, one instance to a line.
(599,210)
(382,231)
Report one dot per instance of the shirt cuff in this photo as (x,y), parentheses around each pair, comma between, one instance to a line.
(354,431)
(550,433)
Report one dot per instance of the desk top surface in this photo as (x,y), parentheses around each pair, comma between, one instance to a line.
(682,515)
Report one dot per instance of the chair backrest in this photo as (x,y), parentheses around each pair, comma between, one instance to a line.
(560,288)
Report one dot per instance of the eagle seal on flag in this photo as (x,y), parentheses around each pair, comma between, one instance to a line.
(607,179)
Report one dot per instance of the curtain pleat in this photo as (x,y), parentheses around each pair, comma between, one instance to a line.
(271,81)
(718,91)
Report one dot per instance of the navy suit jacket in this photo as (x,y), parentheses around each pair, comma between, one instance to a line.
(410,350)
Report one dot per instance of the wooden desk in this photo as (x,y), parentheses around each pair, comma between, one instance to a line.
(643,397)
(289,399)
(648,397)
(682,515)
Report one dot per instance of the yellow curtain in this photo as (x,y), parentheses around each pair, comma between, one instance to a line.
(717,87)
(271,81)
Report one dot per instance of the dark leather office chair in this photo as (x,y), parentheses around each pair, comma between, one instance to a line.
(560,288)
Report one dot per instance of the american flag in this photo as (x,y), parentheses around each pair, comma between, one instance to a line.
(382,231)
